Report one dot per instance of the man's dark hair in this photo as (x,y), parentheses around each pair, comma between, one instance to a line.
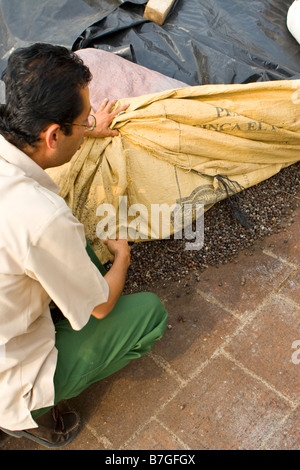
(43,84)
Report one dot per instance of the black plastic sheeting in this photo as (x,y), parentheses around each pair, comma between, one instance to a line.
(205,41)
(201,41)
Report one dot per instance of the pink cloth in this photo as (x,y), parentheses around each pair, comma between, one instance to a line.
(115,77)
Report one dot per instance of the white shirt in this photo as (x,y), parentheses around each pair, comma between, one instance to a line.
(42,257)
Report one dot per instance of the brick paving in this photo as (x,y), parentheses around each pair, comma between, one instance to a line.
(226,375)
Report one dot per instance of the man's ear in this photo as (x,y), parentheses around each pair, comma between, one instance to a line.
(51,135)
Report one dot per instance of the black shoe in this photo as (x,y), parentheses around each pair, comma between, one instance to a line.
(54,430)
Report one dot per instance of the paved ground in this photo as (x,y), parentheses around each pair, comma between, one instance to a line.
(226,375)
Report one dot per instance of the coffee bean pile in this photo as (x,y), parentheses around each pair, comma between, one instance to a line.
(269,208)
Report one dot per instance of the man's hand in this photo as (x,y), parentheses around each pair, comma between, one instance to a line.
(119,248)
(104,117)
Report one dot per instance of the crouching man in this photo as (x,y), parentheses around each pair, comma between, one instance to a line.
(44,256)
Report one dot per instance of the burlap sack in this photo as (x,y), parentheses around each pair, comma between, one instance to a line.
(181,146)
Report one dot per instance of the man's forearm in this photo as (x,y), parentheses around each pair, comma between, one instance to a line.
(115,279)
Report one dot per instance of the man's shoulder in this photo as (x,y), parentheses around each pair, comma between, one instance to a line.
(26,204)
(26,193)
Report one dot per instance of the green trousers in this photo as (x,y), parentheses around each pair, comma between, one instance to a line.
(102,347)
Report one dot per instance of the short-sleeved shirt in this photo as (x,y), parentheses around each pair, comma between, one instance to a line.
(42,258)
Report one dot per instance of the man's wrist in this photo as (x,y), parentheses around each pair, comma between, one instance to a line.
(122,258)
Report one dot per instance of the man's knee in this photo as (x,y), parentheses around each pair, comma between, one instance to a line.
(153,304)
(151,300)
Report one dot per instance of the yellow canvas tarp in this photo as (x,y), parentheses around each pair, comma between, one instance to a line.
(173,145)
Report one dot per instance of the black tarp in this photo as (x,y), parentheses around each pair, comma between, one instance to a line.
(205,41)
(202,41)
